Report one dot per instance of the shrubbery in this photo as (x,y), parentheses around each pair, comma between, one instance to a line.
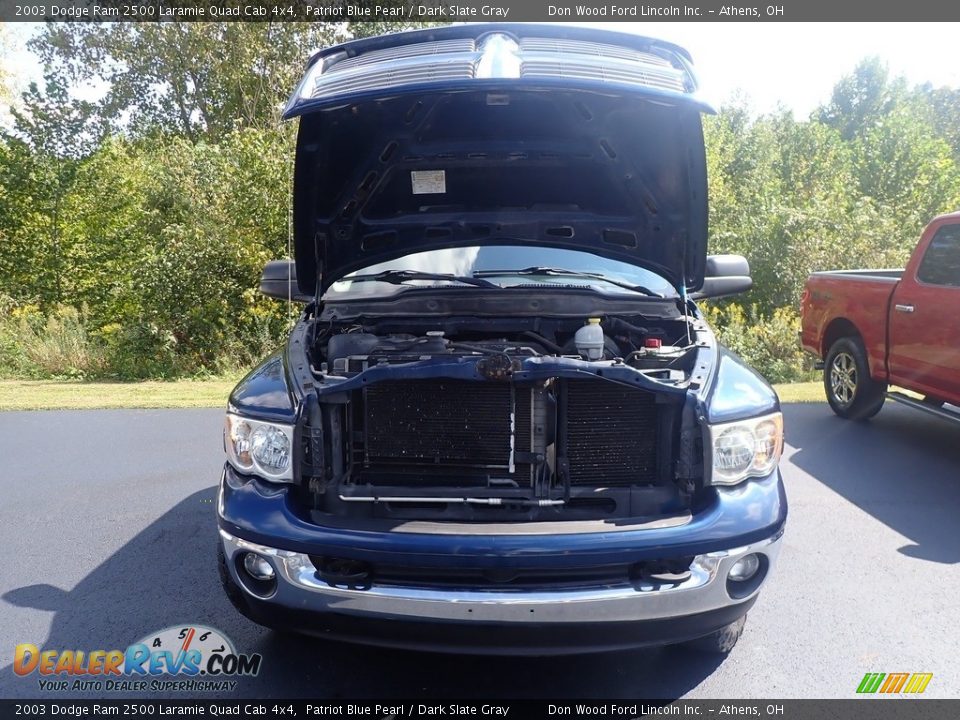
(769,343)
(159,250)
(57,344)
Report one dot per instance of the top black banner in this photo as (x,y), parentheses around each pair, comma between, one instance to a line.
(419,709)
(473,11)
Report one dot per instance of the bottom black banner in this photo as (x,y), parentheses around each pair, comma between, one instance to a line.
(868,709)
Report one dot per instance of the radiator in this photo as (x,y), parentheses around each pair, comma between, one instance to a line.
(611,434)
(447,424)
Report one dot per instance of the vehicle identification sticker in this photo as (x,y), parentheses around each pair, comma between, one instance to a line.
(428,182)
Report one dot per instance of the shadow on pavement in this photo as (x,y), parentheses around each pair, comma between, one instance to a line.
(166,576)
(902,467)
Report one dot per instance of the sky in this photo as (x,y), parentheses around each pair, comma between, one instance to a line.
(797,64)
(791,64)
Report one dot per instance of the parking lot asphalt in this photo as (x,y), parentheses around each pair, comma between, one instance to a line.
(107,533)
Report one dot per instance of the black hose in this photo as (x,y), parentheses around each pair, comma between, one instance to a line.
(487,350)
(618,325)
(543,341)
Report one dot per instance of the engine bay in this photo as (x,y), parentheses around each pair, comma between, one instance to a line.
(664,351)
(479,419)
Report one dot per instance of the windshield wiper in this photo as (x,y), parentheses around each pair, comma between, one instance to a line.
(397,277)
(560,272)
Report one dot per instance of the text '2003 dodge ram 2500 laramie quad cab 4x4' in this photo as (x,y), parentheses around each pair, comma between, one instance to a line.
(501,423)
(875,328)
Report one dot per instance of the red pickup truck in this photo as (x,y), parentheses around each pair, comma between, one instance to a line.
(876,328)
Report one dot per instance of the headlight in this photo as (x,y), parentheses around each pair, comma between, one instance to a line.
(747,448)
(259,447)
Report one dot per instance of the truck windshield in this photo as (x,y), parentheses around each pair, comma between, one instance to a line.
(503,266)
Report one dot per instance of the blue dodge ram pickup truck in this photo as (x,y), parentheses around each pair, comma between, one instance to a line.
(501,424)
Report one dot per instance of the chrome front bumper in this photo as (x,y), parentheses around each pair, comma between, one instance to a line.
(705,590)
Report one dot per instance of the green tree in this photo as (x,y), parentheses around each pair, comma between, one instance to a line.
(19,223)
(787,195)
(193,79)
(6,78)
(198,80)
(862,97)
(908,170)
(52,134)
(944,105)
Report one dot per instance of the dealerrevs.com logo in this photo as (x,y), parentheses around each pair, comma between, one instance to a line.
(185,658)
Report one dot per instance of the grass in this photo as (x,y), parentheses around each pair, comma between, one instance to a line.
(805,392)
(77,395)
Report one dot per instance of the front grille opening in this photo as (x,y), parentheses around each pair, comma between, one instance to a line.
(443,432)
(669,571)
(611,434)
(572,448)
(343,572)
(502,578)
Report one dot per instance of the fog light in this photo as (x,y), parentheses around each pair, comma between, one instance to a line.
(258,567)
(745,568)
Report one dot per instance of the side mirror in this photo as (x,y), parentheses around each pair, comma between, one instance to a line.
(279,280)
(725,275)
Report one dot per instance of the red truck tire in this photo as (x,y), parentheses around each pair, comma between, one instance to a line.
(851,392)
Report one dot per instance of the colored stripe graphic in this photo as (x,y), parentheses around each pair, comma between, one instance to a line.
(911,686)
(918,682)
(894,683)
(870,682)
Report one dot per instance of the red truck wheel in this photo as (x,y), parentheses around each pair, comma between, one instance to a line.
(851,392)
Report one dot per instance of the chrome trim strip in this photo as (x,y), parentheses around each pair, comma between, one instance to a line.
(445,499)
(496,55)
(705,590)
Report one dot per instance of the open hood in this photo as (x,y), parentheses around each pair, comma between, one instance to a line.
(499,134)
